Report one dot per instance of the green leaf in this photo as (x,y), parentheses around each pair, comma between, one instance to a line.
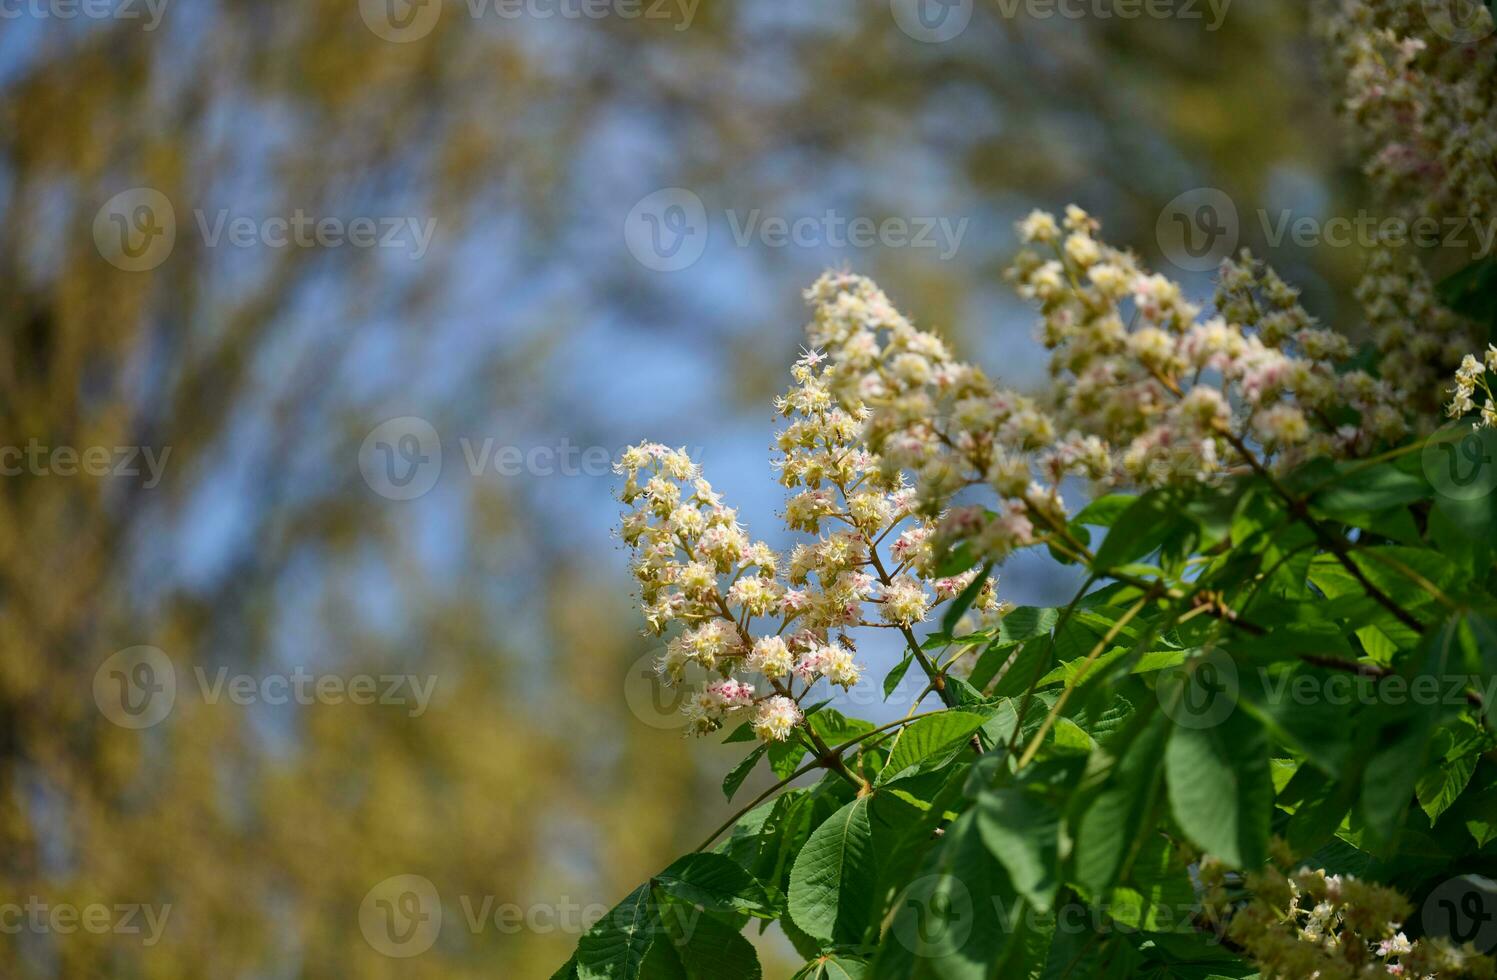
(615,946)
(715,881)
(568,970)
(734,779)
(1401,744)
(1025,623)
(785,757)
(834,967)
(892,679)
(1140,530)
(961,557)
(695,945)
(1022,831)
(1107,813)
(835,728)
(1441,784)
(1476,810)
(1472,291)
(1159,895)
(743,733)
(1367,491)
(1104,511)
(1463,530)
(929,743)
(1221,788)
(954,920)
(832,882)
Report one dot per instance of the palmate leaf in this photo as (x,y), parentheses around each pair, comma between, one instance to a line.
(832,882)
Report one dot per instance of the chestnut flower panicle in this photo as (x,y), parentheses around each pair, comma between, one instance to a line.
(1419,82)
(1473,389)
(1307,923)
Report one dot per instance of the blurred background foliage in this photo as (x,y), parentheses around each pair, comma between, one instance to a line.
(529,779)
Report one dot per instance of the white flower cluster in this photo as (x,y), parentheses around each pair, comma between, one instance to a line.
(1419,341)
(1419,83)
(1138,366)
(743,608)
(888,437)
(1470,376)
(1336,927)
